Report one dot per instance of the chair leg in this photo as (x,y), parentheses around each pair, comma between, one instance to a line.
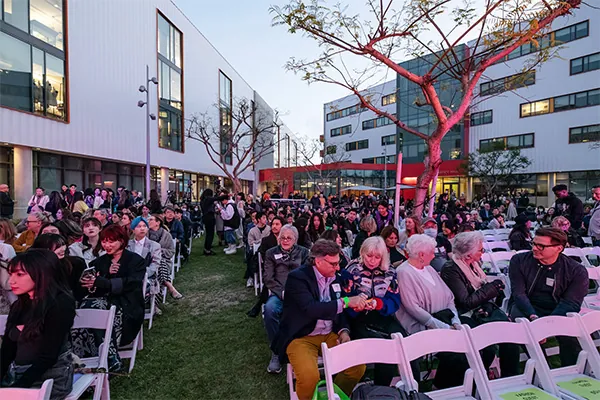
(152,309)
(141,341)
(134,353)
(164,295)
(105,388)
(99,386)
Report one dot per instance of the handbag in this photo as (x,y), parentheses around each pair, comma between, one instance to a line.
(489,312)
(375,392)
(446,315)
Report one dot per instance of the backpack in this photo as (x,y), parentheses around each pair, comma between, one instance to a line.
(374,392)
(234,222)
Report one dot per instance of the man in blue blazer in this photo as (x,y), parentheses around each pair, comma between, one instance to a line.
(313,314)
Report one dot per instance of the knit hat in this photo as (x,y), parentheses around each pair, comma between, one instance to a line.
(137,220)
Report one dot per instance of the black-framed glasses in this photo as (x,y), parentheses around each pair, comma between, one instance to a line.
(543,246)
(336,264)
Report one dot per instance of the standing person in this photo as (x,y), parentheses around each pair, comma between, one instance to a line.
(373,278)
(7,205)
(313,313)
(35,346)
(98,200)
(568,205)
(231,221)
(38,199)
(546,282)
(594,227)
(207,203)
(154,203)
(474,296)
(90,247)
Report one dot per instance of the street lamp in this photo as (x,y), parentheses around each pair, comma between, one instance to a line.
(149,116)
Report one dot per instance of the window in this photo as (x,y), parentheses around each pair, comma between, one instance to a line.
(331,149)
(561,103)
(387,140)
(342,130)
(359,145)
(376,122)
(585,64)
(508,142)
(170,122)
(388,99)
(481,118)
(507,83)
(583,134)
(556,38)
(32,73)
(355,109)
(368,161)
(225,107)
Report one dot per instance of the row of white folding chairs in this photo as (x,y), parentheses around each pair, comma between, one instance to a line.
(90,319)
(537,377)
(258,276)
(500,231)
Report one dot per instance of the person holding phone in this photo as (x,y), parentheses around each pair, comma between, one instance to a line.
(118,281)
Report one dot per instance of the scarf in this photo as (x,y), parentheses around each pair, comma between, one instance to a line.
(155,235)
(474,273)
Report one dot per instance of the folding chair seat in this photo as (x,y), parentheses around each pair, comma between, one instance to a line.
(94,319)
(357,352)
(501,259)
(574,382)
(488,232)
(442,340)
(42,393)
(508,332)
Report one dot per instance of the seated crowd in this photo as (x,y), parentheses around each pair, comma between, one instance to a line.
(87,252)
(334,269)
(343,270)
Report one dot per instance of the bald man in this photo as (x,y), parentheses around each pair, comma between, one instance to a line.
(7,205)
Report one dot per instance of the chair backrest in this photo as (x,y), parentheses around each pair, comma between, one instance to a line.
(496,246)
(594,274)
(255,247)
(42,393)
(98,319)
(356,352)
(587,240)
(433,341)
(3,319)
(590,321)
(497,332)
(144,284)
(576,254)
(501,236)
(490,237)
(488,232)
(555,325)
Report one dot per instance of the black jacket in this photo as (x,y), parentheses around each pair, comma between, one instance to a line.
(302,307)
(466,297)
(570,283)
(571,208)
(278,265)
(360,238)
(518,240)
(7,205)
(124,289)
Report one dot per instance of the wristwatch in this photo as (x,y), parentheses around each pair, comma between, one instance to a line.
(346,301)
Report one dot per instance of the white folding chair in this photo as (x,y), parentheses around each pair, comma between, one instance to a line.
(42,393)
(509,223)
(486,232)
(255,248)
(129,351)
(591,325)
(164,289)
(588,240)
(260,272)
(593,300)
(177,256)
(149,315)
(496,246)
(486,259)
(436,340)
(501,259)
(290,377)
(3,319)
(490,237)
(568,379)
(501,236)
(591,251)
(95,319)
(508,332)
(576,254)
(357,352)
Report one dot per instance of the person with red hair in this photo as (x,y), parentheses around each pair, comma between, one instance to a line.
(116,281)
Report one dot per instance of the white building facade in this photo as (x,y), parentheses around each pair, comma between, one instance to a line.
(69,78)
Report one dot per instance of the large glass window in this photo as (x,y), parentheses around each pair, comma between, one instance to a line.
(507,83)
(225,107)
(508,142)
(376,122)
(481,118)
(55,87)
(561,103)
(585,64)
(342,130)
(170,90)
(46,21)
(15,73)
(583,134)
(16,14)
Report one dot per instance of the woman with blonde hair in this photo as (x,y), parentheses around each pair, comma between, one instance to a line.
(372,277)
(8,232)
(573,238)
(412,226)
(367,227)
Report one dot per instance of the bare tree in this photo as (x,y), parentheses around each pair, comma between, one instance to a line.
(238,140)
(394,29)
(320,168)
(497,167)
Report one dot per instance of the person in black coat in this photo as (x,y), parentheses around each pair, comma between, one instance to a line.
(207,203)
(568,205)
(7,205)
(520,236)
(473,293)
(120,275)
(368,227)
(313,313)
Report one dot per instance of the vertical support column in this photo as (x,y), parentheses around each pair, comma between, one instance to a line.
(23,178)
(551,184)
(469,188)
(164,184)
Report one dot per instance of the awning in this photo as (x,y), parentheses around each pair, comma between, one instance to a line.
(362,188)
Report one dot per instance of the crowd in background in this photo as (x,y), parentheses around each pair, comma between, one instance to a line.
(333,267)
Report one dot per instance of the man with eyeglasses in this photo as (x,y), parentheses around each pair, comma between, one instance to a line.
(279,262)
(313,313)
(34,223)
(546,282)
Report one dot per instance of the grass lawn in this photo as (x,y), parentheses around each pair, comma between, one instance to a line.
(204,346)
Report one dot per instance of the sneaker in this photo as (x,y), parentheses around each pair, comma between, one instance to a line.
(231,250)
(250,282)
(241,245)
(274,365)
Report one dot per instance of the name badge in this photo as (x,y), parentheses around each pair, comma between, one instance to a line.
(336,287)
(549,281)
(278,256)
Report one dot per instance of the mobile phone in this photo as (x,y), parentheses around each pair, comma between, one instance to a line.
(89,272)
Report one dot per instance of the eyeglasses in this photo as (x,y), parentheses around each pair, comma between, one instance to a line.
(285,238)
(31,222)
(335,265)
(543,246)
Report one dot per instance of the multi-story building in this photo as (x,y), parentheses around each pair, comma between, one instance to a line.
(69,78)
(553,117)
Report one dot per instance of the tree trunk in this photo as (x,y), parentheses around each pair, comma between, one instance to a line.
(237,184)
(431,170)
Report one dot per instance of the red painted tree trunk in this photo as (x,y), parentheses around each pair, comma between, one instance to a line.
(431,168)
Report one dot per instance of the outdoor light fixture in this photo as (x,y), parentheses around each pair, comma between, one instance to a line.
(149,116)
(141,103)
(152,117)
(142,88)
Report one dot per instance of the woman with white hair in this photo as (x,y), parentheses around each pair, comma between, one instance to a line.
(371,276)
(279,262)
(427,303)
(474,296)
